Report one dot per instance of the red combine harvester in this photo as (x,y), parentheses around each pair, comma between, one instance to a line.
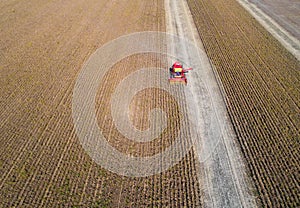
(177,73)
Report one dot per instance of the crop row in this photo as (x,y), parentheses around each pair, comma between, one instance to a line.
(261,83)
(42,163)
(179,185)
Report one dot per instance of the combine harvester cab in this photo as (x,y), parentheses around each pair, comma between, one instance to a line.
(177,74)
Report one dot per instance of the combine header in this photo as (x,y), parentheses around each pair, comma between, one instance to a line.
(177,73)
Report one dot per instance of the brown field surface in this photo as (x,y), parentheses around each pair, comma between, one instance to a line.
(261,80)
(43,46)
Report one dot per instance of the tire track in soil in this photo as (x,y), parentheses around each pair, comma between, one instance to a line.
(224,178)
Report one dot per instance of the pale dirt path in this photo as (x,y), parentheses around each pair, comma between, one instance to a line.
(222,175)
(290,40)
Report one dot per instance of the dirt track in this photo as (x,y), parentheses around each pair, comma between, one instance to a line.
(223,178)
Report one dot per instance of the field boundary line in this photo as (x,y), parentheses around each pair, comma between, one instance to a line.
(291,43)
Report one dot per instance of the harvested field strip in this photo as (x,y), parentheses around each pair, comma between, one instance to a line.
(42,164)
(261,82)
(143,102)
(177,187)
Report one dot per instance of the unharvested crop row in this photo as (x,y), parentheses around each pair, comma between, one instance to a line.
(261,82)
